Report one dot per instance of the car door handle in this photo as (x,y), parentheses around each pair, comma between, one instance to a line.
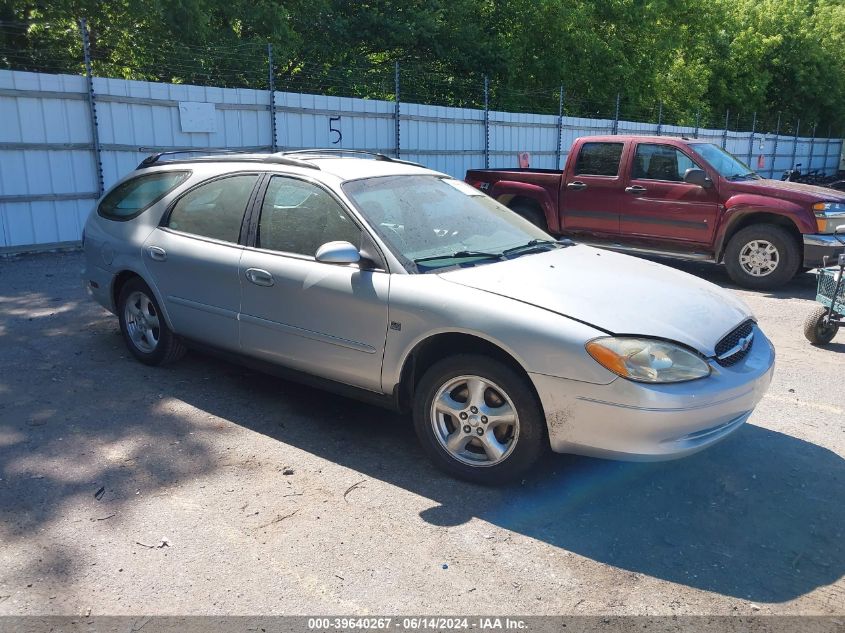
(577,185)
(635,189)
(157,253)
(259,277)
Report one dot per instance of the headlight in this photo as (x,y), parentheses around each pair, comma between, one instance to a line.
(647,360)
(829,216)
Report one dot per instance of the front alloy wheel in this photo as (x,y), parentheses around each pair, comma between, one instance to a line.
(475,421)
(759,258)
(479,419)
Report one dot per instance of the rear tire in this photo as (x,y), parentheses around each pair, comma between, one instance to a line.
(816,330)
(143,326)
(478,419)
(532,214)
(762,257)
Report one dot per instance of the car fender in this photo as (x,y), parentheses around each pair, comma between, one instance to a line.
(537,193)
(742,205)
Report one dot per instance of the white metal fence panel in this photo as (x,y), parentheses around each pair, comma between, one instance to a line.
(49,169)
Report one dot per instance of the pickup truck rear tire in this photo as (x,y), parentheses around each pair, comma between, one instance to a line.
(532,214)
(762,257)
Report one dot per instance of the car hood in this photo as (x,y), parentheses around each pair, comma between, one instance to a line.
(793,191)
(615,293)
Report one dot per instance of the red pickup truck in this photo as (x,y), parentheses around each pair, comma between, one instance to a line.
(676,197)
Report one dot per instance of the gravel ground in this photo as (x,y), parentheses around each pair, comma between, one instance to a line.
(206,488)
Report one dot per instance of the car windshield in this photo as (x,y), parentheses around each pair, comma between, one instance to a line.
(726,164)
(433,222)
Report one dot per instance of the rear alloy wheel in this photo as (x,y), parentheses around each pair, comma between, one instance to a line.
(144,329)
(762,257)
(817,329)
(532,214)
(478,419)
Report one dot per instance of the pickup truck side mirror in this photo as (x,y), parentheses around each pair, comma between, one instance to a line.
(698,177)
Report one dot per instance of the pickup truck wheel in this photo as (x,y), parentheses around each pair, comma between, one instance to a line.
(762,257)
(532,214)
(478,419)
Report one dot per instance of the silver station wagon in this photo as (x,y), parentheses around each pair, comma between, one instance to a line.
(403,286)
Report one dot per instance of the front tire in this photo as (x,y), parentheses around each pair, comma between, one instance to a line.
(762,257)
(143,326)
(478,419)
(817,329)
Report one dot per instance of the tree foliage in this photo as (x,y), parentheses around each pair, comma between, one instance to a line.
(699,58)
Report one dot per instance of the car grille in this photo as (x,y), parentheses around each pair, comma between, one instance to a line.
(732,340)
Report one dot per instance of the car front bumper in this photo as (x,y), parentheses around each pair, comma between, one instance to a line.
(817,247)
(644,422)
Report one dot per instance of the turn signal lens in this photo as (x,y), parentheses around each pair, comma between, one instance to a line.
(647,360)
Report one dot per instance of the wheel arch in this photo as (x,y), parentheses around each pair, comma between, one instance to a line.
(441,345)
(122,278)
(745,219)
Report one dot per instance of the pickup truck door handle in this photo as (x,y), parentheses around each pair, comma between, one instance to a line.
(577,185)
(157,253)
(259,277)
(635,189)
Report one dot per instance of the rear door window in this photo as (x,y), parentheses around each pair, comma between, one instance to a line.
(130,198)
(214,209)
(599,159)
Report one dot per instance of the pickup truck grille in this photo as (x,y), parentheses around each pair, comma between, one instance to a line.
(732,342)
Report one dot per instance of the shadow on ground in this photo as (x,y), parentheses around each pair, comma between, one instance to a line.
(755,517)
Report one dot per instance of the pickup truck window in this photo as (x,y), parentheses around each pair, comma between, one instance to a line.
(660,162)
(599,159)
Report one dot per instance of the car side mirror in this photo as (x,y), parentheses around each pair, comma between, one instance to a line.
(698,177)
(840,230)
(338,253)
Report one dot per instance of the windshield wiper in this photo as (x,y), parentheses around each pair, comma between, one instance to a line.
(459,255)
(529,245)
(750,174)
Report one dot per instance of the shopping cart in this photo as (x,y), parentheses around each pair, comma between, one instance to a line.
(822,324)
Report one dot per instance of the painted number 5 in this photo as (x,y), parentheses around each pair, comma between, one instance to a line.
(335,129)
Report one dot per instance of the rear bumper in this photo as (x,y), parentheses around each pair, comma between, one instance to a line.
(641,422)
(817,247)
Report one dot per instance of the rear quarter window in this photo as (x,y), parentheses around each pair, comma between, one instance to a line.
(130,198)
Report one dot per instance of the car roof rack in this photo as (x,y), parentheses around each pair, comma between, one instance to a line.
(221,155)
(329,152)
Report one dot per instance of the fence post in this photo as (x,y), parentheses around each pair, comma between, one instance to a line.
(725,132)
(751,138)
(559,128)
(486,122)
(92,106)
(616,115)
(795,143)
(697,123)
(271,83)
(775,149)
(826,149)
(396,120)
(660,118)
(812,147)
